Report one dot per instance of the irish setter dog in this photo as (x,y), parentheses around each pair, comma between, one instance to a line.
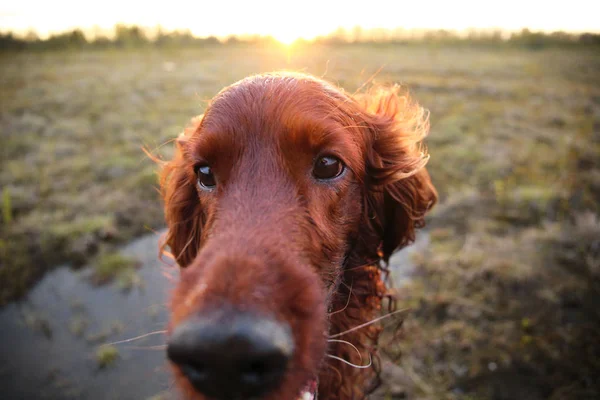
(284,202)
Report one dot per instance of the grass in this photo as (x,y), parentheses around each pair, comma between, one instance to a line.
(106,355)
(78,325)
(491,308)
(6,207)
(113,266)
(504,298)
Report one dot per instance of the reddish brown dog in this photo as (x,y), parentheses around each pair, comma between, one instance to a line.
(283,202)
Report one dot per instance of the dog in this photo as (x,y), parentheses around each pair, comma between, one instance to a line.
(284,202)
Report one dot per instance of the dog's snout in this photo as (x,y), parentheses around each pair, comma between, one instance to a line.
(240,356)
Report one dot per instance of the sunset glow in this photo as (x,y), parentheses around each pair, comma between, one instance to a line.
(307,19)
(286,38)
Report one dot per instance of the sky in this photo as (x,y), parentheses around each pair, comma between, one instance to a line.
(305,18)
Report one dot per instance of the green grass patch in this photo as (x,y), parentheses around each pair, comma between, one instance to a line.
(106,355)
(110,266)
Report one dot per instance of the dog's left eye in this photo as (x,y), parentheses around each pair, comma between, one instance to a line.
(327,167)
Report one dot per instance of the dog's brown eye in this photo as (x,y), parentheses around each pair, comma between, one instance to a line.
(327,167)
(206,179)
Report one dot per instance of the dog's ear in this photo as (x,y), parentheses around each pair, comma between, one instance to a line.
(398,190)
(183,213)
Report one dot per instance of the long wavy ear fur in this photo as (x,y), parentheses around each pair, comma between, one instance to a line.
(399,191)
(182,213)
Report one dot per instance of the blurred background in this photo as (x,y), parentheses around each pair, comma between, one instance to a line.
(503,284)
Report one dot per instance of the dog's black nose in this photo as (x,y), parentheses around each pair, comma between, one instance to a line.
(237,356)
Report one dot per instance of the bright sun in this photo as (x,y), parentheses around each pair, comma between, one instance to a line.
(288,34)
(286,38)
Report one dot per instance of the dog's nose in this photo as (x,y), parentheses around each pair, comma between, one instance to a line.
(240,356)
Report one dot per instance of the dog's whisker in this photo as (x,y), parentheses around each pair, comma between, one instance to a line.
(350,364)
(369,323)
(157,347)
(137,337)
(347,302)
(348,343)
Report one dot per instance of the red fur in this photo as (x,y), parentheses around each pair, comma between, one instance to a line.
(272,239)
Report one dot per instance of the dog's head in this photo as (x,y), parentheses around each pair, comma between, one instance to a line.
(283,183)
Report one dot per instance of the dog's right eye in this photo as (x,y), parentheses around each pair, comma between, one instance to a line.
(327,167)
(206,179)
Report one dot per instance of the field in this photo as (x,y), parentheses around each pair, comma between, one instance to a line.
(504,300)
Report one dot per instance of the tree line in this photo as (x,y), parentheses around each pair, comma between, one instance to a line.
(127,36)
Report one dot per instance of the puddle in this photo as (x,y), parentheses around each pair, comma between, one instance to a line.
(401,264)
(48,342)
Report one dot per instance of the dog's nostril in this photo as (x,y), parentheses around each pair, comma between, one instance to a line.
(243,357)
(257,367)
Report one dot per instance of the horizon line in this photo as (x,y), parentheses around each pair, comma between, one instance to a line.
(95,31)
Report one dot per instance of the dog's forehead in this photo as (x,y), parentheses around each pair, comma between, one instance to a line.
(284,107)
(272,98)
